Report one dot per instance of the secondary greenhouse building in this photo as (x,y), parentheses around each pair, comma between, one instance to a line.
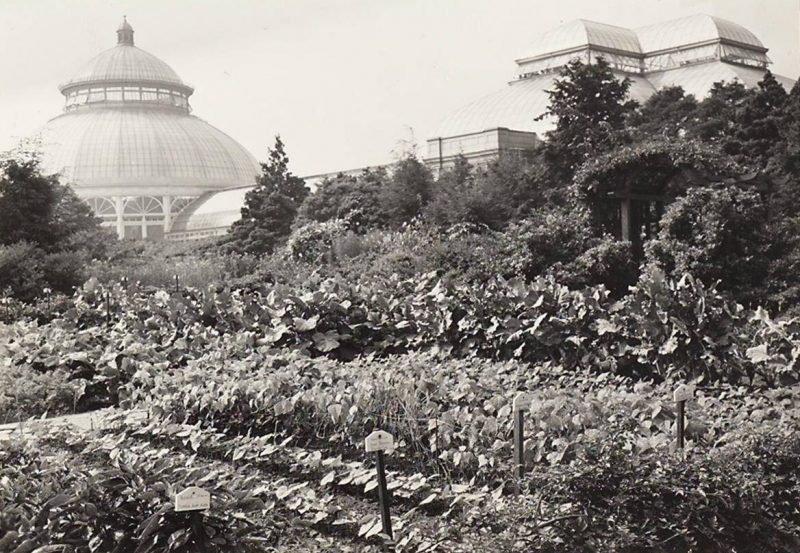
(692,52)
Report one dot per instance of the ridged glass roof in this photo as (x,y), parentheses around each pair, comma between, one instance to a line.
(144,146)
(698,79)
(127,130)
(516,107)
(692,30)
(581,32)
(710,49)
(124,63)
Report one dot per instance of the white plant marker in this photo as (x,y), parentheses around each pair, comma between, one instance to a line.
(379,440)
(192,499)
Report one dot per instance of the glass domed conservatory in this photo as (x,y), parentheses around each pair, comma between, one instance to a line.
(692,52)
(128,143)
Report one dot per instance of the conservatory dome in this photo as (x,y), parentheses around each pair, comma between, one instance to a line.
(128,143)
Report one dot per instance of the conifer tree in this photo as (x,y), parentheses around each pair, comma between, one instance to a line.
(756,137)
(270,208)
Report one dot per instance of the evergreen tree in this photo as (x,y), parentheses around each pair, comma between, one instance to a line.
(756,135)
(270,208)
(718,112)
(590,106)
(667,113)
(449,201)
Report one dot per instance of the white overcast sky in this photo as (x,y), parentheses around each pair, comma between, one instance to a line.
(345,82)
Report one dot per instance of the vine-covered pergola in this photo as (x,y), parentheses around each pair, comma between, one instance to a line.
(627,189)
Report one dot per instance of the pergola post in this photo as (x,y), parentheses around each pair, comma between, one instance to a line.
(625,219)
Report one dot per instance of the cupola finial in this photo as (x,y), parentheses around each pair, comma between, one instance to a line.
(125,32)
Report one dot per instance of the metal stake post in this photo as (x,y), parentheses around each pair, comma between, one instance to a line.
(383,496)
(379,441)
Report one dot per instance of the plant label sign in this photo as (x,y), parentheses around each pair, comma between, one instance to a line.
(684,392)
(192,499)
(522,402)
(378,441)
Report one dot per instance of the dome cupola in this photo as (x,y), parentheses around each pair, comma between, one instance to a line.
(125,32)
(128,75)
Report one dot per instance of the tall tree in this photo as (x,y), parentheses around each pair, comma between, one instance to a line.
(590,105)
(755,138)
(27,204)
(270,208)
(718,112)
(667,113)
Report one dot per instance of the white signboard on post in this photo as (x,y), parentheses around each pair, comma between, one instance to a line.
(192,499)
(684,392)
(379,441)
(522,401)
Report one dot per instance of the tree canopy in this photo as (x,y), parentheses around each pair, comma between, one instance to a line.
(590,105)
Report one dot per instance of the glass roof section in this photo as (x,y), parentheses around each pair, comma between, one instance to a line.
(698,79)
(693,30)
(125,64)
(517,106)
(582,33)
(693,52)
(144,147)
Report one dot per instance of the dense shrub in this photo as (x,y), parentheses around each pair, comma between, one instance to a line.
(495,195)
(609,262)
(21,272)
(47,233)
(552,236)
(314,241)
(356,198)
(717,235)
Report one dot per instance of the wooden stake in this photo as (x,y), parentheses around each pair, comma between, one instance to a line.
(176,283)
(681,395)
